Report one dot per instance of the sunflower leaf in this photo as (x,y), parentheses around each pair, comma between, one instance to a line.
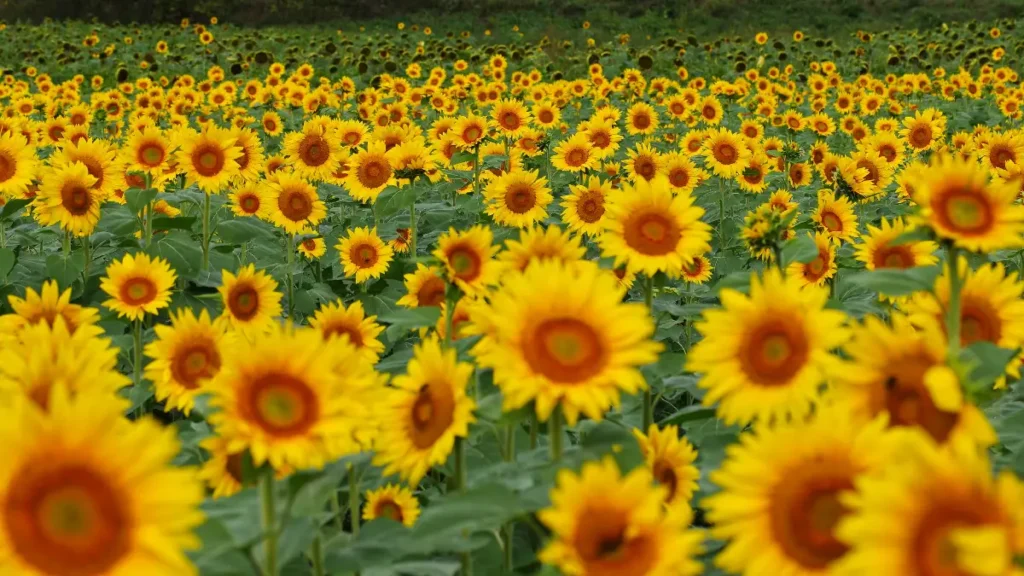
(138,199)
(896,282)
(801,249)
(12,207)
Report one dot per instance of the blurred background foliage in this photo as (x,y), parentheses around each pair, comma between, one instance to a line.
(694,16)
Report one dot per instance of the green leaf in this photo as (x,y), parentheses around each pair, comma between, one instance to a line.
(988,362)
(7,259)
(65,270)
(453,517)
(393,199)
(911,235)
(138,199)
(896,282)
(418,568)
(462,157)
(241,230)
(165,223)
(180,250)
(689,414)
(410,318)
(801,249)
(12,207)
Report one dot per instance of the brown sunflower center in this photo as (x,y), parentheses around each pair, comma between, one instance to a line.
(465,262)
(433,412)
(641,121)
(665,475)
(652,234)
(472,134)
(138,291)
(75,198)
(314,150)
(920,136)
(805,509)
(565,350)
(590,207)
(510,121)
(999,155)
(244,302)
(899,256)
(342,329)
(708,112)
(774,351)
(309,244)
(431,292)
(208,160)
(606,547)
(151,154)
(374,172)
(645,167)
(66,519)
(901,391)
(831,221)
(234,467)
(725,153)
(546,116)
(576,157)
(979,321)
(679,177)
(250,204)
(364,255)
(818,267)
(933,551)
(964,211)
(352,138)
(195,363)
(8,166)
(281,404)
(295,205)
(870,168)
(389,509)
(520,198)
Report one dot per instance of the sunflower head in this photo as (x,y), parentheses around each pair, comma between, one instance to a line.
(364,255)
(138,284)
(251,300)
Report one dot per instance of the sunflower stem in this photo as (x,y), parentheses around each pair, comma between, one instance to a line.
(206,232)
(87,252)
(336,509)
(289,274)
(316,555)
(509,528)
(66,244)
(648,416)
(147,226)
(137,352)
(534,425)
(353,500)
(459,485)
(721,214)
(412,229)
(476,173)
(555,435)
(953,311)
(269,517)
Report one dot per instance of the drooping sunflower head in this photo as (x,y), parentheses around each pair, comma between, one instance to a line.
(251,301)
(671,461)
(364,255)
(138,285)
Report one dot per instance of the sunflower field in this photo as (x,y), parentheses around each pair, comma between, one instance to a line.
(385,301)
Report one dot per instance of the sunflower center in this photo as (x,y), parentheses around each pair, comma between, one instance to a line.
(472,133)
(708,112)
(340,329)
(389,509)
(606,546)
(151,155)
(374,173)
(774,351)
(901,391)
(352,138)
(651,234)
(195,363)
(665,475)
(364,255)
(282,405)
(933,551)
(244,302)
(565,350)
(250,204)
(8,166)
(965,212)
(520,198)
(832,222)
(870,168)
(590,207)
(920,136)
(208,160)
(1000,155)
(816,268)
(66,520)
(898,256)
(645,167)
(805,509)
(314,150)
(888,152)
(510,121)
(431,293)
(979,321)
(309,244)
(75,199)
(233,467)
(679,177)
(432,414)
(465,262)
(295,205)
(546,117)
(600,139)
(576,157)
(138,291)
(642,121)
(725,153)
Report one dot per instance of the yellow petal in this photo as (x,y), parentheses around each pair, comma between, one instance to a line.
(944,387)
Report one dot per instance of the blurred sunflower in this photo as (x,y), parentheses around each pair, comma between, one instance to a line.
(184,356)
(583,208)
(293,204)
(423,287)
(519,198)
(138,285)
(251,301)
(363,254)
(670,459)
(394,502)
(334,319)
(468,257)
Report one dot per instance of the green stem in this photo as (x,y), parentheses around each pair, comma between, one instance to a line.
(555,435)
(353,499)
(147,226)
(206,232)
(66,244)
(245,254)
(87,252)
(509,529)
(269,516)
(648,416)
(336,508)
(289,274)
(3,235)
(476,172)
(137,351)
(953,310)
(412,229)
(721,214)
(534,426)
(316,554)
(459,485)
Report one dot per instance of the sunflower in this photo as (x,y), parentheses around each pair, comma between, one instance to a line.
(312,248)
(400,243)
(85,491)
(934,511)
(960,202)
(251,301)
(250,199)
(924,130)
(18,165)
(681,172)
(424,287)
(45,306)
(546,115)
(575,154)
(886,145)
(765,354)
(370,172)
(352,133)
(138,285)
(427,410)
(835,216)
(754,176)
(511,117)
(363,254)
(671,461)
(250,163)
(66,197)
(1002,149)
(519,198)
(644,162)
(584,207)
(394,502)
(710,110)
(652,229)
(333,319)
(185,356)
(293,204)
(314,151)
(799,175)
(537,244)
(292,397)
(469,131)
(641,119)
(698,271)
(822,268)
(880,248)
(725,153)
(149,151)
(209,158)
(271,123)
(551,341)
(468,257)
(223,470)
(783,493)
(889,372)
(606,524)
